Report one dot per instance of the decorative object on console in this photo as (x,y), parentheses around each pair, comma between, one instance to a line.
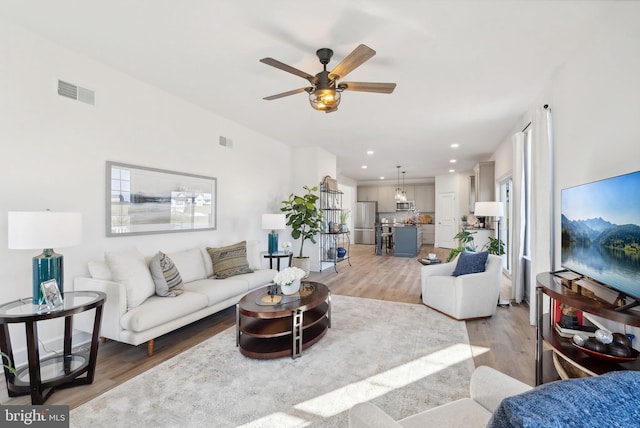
(289,279)
(51,294)
(29,230)
(273,222)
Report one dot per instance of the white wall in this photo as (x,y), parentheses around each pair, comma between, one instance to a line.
(55,149)
(595,101)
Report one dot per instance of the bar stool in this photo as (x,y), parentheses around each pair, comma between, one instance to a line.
(387,241)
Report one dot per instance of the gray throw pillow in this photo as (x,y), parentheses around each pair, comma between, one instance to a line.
(469,262)
(165,276)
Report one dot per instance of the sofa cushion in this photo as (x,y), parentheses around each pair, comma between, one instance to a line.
(99,270)
(259,278)
(469,262)
(130,269)
(190,264)
(230,260)
(465,412)
(158,311)
(218,290)
(165,276)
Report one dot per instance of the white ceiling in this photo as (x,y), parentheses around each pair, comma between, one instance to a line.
(465,70)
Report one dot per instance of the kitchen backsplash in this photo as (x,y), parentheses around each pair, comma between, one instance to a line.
(401,216)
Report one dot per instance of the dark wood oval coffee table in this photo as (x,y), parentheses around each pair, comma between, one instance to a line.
(279,326)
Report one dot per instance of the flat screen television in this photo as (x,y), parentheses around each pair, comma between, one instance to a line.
(601,232)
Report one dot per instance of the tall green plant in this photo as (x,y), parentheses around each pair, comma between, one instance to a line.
(303,216)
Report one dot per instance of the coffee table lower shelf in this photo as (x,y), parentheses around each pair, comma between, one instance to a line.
(280,346)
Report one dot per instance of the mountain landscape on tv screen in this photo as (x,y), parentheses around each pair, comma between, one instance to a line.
(601,233)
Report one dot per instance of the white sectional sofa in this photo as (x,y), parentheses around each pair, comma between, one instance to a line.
(134,314)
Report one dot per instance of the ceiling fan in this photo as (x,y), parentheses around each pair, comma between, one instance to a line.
(324,92)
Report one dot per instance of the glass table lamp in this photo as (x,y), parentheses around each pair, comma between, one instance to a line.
(29,230)
(273,222)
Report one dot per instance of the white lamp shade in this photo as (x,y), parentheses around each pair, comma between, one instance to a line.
(489,209)
(274,221)
(30,230)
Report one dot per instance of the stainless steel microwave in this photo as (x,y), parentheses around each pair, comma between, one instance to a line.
(405,206)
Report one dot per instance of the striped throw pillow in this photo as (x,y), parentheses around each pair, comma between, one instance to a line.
(166,276)
(229,261)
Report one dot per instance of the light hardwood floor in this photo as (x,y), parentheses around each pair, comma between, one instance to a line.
(505,341)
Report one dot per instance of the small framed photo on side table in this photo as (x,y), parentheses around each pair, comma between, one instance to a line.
(51,293)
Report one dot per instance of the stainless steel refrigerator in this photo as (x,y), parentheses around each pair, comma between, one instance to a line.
(366,217)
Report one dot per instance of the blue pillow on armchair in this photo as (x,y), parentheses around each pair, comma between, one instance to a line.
(469,262)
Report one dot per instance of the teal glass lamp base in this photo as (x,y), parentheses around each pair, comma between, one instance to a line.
(46,266)
(273,242)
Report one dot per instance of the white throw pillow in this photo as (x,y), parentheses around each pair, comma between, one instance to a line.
(130,269)
(253,255)
(99,270)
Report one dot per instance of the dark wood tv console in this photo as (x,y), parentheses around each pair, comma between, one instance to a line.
(577,297)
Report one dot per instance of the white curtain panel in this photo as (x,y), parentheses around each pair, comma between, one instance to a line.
(518,219)
(542,194)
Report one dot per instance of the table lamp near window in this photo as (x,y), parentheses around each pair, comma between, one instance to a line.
(30,230)
(274,222)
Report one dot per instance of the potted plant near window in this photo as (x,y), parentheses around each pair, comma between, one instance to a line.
(306,221)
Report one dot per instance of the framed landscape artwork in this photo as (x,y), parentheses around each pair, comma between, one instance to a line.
(141,200)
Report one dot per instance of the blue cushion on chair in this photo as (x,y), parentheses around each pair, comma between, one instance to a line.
(469,262)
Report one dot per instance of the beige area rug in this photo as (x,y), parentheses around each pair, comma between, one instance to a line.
(403,357)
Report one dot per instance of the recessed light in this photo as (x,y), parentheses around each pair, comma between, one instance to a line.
(381,178)
(455,145)
(363,167)
(369,152)
(452,170)
(452,161)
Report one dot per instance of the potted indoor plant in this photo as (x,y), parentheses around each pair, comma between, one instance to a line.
(305,219)
(344,215)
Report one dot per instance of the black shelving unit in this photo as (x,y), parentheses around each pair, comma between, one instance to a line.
(332,237)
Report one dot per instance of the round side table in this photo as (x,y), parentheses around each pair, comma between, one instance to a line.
(41,377)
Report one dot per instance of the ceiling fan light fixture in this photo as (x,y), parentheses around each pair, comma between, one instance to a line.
(324,99)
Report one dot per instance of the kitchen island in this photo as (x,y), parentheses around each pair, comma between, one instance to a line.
(407,240)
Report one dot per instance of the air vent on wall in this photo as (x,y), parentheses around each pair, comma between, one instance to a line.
(74,92)
(227,142)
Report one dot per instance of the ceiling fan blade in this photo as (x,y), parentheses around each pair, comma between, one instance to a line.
(286,94)
(356,58)
(284,67)
(381,88)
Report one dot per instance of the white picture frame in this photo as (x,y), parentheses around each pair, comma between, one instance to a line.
(51,293)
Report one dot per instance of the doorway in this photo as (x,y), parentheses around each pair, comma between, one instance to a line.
(446,227)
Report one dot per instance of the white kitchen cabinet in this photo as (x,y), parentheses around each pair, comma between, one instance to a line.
(386,199)
(367,193)
(428,234)
(425,197)
(485,181)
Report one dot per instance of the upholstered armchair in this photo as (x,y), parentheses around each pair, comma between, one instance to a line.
(467,296)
